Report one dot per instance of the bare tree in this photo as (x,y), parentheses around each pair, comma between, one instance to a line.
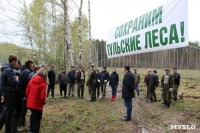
(90,35)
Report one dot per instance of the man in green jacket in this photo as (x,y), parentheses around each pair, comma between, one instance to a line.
(91,83)
(167,87)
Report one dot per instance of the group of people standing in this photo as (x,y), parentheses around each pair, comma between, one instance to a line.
(97,81)
(169,85)
(22,87)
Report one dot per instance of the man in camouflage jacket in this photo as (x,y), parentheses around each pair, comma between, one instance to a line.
(91,83)
(167,87)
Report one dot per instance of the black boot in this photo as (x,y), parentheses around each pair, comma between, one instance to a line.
(92,99)
(14,124)
(165,103)
(168,105)
(47,94)
(52,94)
(175,99)
(156,99)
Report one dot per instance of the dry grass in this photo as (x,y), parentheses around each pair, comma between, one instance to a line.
(74,115)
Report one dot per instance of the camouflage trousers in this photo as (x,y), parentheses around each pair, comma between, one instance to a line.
(175,91)
(103,89)
(80,90)
(167,95)
(92,91)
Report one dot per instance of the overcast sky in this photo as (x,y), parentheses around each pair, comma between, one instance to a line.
(106,14)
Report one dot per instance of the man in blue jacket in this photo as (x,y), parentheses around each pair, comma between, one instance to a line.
(52,81)
(25,71)
(103,79)
(9,86)
(128,92)
(72,81)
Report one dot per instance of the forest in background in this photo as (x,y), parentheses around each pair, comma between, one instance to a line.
(56,32)
(182,58)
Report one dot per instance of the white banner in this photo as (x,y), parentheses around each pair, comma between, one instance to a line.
(162,28)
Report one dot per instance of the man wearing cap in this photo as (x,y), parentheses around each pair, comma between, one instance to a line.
(137,81)
(91,83)
(97,89)
(167,87)
(80,77)
(152,82)
(62,79)
(72,80)
(103,79)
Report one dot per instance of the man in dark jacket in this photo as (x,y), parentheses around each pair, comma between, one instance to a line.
(152,83)
(177,78)
(63,79)
(18,98)
(72,81)
(9,85)
(114,81)
(80,77)
(26,70)
(52,81)
(97,84)
(128,92)
(103,79)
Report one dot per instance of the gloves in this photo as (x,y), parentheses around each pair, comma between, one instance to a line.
(99,81)
(116,86)
(171,89)
(105,81)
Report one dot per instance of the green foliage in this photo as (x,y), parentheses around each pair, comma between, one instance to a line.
(195,44)
(7,49)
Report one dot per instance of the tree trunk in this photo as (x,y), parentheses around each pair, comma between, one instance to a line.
(80,32)
(68,36)
(90,35)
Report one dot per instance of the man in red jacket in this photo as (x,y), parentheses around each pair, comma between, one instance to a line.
(36,98)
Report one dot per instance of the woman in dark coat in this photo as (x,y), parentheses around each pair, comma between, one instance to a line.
(114,81)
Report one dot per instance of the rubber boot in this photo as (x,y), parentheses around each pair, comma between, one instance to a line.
(114,98)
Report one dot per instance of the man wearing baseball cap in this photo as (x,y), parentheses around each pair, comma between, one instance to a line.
(167,87)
